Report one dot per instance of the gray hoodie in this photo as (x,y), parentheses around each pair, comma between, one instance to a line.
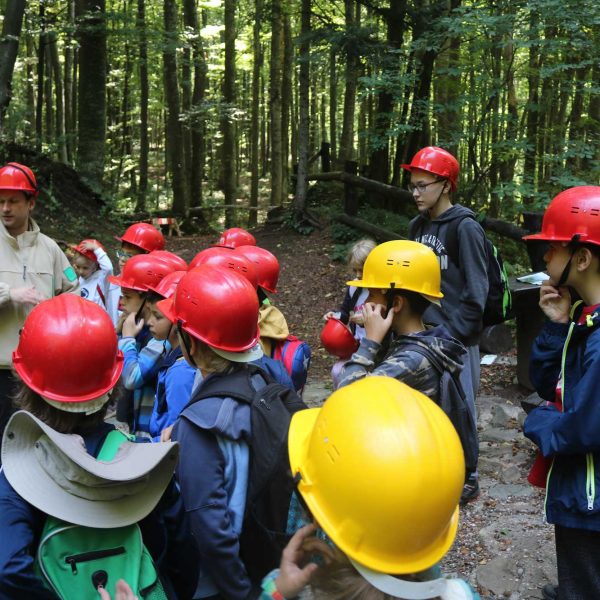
(465,286)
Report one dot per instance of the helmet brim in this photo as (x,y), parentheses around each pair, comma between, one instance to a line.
(361,283)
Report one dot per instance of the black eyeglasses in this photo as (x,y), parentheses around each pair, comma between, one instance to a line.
(422,187)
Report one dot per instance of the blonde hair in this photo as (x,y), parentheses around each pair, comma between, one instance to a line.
(339,580)
(210,361)
(359,251)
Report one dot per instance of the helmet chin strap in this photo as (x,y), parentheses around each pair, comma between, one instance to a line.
(439,196)
(186,344)
(565,274)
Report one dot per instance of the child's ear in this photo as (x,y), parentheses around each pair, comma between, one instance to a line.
(585,257)
(398,303)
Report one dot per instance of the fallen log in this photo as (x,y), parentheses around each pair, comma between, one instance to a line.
(379,233)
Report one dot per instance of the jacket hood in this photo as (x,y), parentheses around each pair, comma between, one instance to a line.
(449,351)
(457,210)
(272,323)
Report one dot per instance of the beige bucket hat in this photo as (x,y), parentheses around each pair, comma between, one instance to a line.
(53,472)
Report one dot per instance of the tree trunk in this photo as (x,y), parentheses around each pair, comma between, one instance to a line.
(39,107)
(142,190)
(351,80)
(276,70)
(227,123)
(58,95)
(91,33)
(286,102)
(577,127)
(380,158)
(175,155)
(198,122)
(333,103)
(303,106)
(255,112)
(9,48)
(69,63)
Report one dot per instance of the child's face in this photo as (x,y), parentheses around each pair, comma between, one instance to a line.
(159,325)
(377,297)
(556,258)
(130,300)
(84,266)
(126,252)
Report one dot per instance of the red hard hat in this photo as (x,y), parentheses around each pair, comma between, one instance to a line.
(168,284)
(84,361)
(202,256)
(574,212)
(141,272)
(216,306)
(437,161)
(236,236)
(17,177)
(224,257)
(337,339)
(89,254)
(173,260)
(266,263)
(144,236)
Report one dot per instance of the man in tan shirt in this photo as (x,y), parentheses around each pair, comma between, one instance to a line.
(32,269)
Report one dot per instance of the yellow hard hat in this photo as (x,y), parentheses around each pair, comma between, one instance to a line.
(404,265)
(381,468)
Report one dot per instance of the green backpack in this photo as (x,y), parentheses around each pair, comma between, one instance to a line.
(74,560)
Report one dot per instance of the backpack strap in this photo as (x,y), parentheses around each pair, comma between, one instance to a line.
(436,363)
(451,240)
(112,442)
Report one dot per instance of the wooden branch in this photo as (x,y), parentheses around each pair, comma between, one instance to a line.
(514,232)
(384,189)
(380,234)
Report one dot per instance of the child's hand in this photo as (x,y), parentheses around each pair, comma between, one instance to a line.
(376,325)
(122,592)
(293,578)
(90,245)
(130,327)
(328,315)
(555,302)
(165,434)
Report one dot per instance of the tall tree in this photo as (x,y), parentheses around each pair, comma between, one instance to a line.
(91,34)
(9,48)
(275,89)
(304,107)
(140,24)
(255,111)
(227,113)
(175,155)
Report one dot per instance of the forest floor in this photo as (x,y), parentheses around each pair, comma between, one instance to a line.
(503,548)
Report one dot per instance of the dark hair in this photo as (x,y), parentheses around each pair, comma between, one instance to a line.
(153,297)
(418,303)
(60,420)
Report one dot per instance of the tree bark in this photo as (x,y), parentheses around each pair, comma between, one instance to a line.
(91,34)
(255,111)
(227,123)
(303,105)
(276,71)
(286,102)
(351,80)
(9,48)
(175,155)
(140,24)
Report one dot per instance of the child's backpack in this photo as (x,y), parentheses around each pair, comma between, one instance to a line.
(74,561)
(498,305)
(270,482)
(453,401)
(295,356)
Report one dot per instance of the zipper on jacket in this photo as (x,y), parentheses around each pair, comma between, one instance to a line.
(94,555)
(590,481)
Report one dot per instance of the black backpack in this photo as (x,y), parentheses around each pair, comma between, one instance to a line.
(452,400)
(270,482)
(498,305)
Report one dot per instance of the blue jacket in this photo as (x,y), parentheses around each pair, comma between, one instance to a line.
(143,358)
(212,434)
(173,391)
(571,437)
(164,532)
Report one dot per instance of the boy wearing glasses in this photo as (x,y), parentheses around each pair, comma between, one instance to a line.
(458,240)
